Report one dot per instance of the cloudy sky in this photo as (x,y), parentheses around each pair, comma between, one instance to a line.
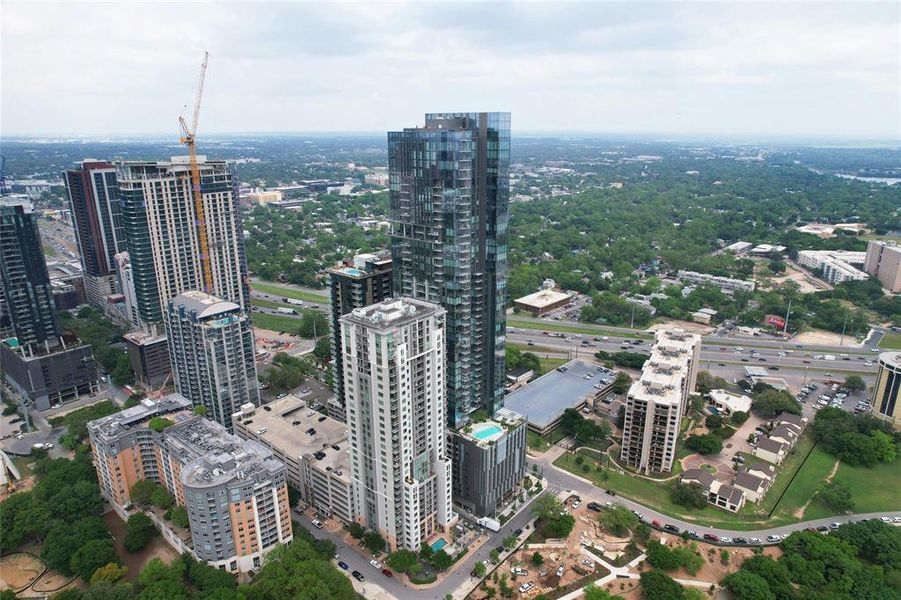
(714,69)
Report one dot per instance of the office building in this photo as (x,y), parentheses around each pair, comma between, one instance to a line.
(725,284)
(149,357)
(314,449)
(489,461)
(159,220)
(94,200)
(394,367)
(883,261)
(449,188)
(542,302)
(42,363)
(658,399)
(363,281)
(887,391)
(211,352)
(837,266)
(235,492)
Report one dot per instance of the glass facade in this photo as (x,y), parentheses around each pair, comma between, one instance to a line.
(449,187)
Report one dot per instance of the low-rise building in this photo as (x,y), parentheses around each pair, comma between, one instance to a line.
(542,302)
(312,446)
(725,284)
(703,316)
(738,247)
(234,491)
(770,450)
(837,265)
(727,403)
(518,377)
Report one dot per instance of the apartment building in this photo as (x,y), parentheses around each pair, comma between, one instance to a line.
(313,447)
(364,280)
(883,261)
(887,391)
(658,399)
(837,265)
(160,224)
(394,369)
(235,492)
(726,284)
(93,194)
(211,351)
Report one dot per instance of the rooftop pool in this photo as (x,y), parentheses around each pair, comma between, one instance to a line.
(486,431)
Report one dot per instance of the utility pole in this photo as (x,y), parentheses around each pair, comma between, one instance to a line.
(787,312)
(632,322)
(841,342)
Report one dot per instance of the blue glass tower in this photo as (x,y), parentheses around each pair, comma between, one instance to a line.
(450,189)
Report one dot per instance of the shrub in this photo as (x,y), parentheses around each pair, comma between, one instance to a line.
(139,531)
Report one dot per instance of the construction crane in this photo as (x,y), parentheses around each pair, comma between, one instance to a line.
(188,138)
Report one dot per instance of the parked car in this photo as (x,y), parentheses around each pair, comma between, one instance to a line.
(740,540)
(774,538)
(711,537)
(754,540)
(375,564)
(387,573)
(671,528)
(317,523)
(526,587)
(343,565)
(594,506)
(725,540)
(358,576)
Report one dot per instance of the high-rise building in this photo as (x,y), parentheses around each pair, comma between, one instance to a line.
(887,391)
(41,362)
(160,224)
(883,262)
(656,402)
(94,200)
(394,387)
(235,491)
(354,284)
(26,298)
(212,355)
(449,187)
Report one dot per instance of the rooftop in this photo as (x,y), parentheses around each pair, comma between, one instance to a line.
(203,304)
(107,429)
(392,313)
(662,377)
(285,423)
(705,478)
(734,402)
(543,298)
(485,432)
(543,400)
(891,359)
(770,445)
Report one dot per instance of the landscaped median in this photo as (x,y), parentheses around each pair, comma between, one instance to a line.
(788,501)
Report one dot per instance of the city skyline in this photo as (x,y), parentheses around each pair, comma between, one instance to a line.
(664,69)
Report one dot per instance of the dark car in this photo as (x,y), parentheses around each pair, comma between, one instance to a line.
(358,576)
(611,492)
(387,573)
(500,549)
(594,506)
(343,565)
(740,540)
(711,537)
(518,532)
(671,528)
(822,528)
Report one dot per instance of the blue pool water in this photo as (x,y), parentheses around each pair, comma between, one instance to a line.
(487,432)
(713,410)
(438,544)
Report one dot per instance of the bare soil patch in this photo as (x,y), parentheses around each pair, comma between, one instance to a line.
(156,548)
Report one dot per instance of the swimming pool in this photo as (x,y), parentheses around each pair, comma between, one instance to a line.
(487,432)
(438,544)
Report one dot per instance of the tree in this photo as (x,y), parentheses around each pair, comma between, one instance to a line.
(158,424)
(110,573)
(705,444)
(65,539)
(546,506)
(356,531)
(621,383)
(707,381)
(662,557)
(560,526)
(141,492)
(537,559)
(201,410)
(836,496)
(441,560)
(886,449)
(746,585)
(855,383)
(401,560)
(480,570)
(509,541)
(657,586)
(713,421)
(161,498)
(593,592)
(323,350)
(298,572)
(206,578)
(139,531)
(770,402)
(691,495)
(738,417)
(374,542)
(312,324)
(642,533)
(494,556)
(179,517)
(618,520)
(91,556)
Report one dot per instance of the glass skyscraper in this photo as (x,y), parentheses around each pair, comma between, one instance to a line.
(450,191)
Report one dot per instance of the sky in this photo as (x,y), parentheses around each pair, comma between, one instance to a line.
(803,69)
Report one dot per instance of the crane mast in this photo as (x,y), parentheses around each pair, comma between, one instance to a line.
(188,138)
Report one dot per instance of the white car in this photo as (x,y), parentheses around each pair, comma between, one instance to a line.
(726,540)
(885,519)
(560,570)
(519,571)
(375,564)
(317,523)
(774,538)
(526,587)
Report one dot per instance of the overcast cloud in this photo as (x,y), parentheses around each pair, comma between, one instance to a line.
(805,69)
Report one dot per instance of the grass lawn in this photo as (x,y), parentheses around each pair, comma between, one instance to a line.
(569,328)
(275,322)
(548,364)
(542,443)
(809,477)
(279,290)
(891,341)
(534,349)
(874,489)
